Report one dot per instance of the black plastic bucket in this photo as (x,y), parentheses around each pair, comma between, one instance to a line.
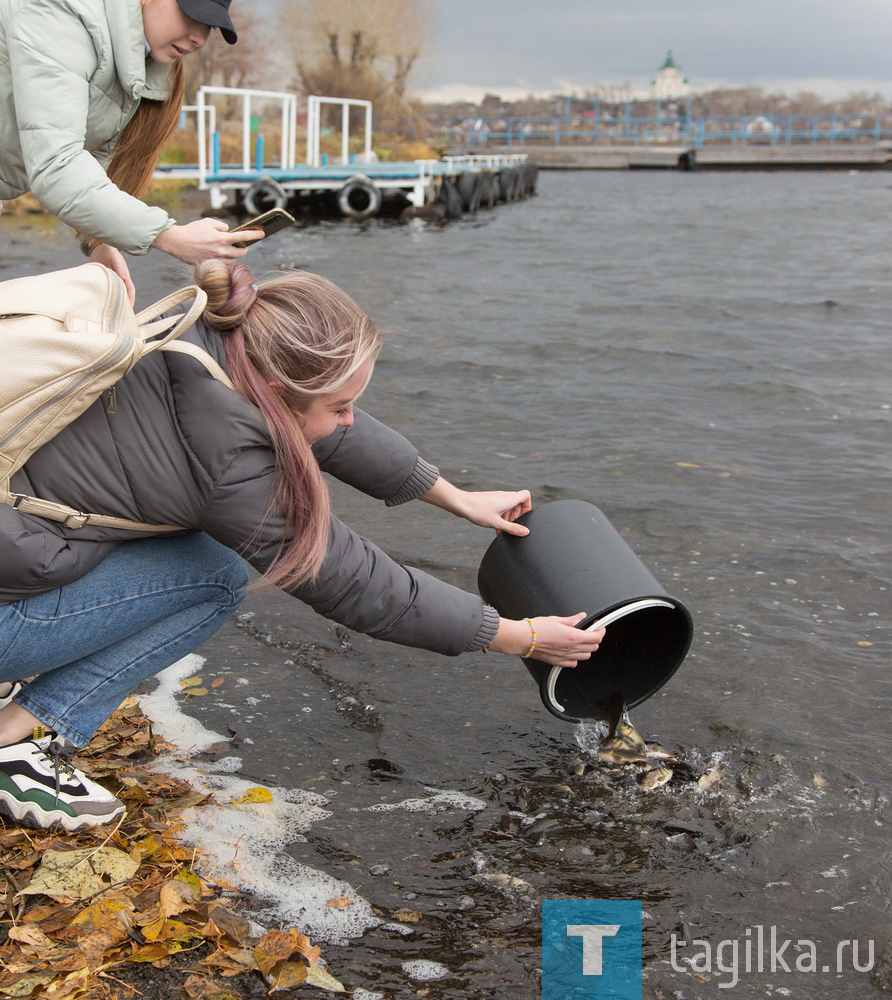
(575,560)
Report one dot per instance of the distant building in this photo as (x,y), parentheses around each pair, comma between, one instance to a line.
(670,83)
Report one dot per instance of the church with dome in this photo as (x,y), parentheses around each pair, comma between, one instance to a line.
(670,83)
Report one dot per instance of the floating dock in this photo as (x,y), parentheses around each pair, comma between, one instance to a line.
(752,157)
(358,185)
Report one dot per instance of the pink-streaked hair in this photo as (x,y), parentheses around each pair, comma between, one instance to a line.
(302,332)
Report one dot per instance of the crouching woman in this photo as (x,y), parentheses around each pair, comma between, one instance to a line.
(88,613)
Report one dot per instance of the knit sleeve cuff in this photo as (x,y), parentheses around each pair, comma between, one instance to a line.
(487,631)
(422,479)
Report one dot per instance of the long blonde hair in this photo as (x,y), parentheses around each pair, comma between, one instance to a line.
(137,150)
(304,334)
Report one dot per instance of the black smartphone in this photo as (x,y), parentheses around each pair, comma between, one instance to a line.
(270,222)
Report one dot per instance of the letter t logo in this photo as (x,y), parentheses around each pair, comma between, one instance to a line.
(592,935)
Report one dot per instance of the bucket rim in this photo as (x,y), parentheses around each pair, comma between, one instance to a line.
(550,681)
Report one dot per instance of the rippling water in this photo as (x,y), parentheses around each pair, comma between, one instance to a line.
(705,357)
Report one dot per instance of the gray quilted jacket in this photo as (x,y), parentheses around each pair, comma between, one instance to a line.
(179,447)
(72,73)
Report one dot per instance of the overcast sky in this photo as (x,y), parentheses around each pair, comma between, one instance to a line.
(514,47)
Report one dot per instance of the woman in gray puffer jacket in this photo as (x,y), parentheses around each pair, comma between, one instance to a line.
(92,612)
(89,92)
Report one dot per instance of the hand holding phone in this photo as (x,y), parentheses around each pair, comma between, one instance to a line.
(270,222)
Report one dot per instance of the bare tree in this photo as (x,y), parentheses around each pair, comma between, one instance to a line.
(366,49)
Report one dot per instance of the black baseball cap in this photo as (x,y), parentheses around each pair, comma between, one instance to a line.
(212,12)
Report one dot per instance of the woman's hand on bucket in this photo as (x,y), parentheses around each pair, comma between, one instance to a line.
(204,239)
(558,641)
(490,509)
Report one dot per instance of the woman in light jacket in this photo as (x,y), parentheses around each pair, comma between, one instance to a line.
(90,90)
(92,611)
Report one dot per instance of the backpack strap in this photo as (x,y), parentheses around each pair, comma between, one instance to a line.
(184,347)
(145,319)
(71,518)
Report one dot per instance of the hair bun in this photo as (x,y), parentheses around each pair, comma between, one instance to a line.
(231,292)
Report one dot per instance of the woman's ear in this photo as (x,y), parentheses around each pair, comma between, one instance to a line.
(276,387)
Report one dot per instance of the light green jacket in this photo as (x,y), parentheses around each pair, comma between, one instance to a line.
(72,73)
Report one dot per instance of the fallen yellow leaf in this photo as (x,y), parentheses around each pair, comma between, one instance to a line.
(188,682)
(62,874)
(289,975)
(317,976)
(261,796)
(340,902)
(25,986)
(681,465)
(274,947)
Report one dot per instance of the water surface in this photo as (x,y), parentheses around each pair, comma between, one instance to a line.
(705,357)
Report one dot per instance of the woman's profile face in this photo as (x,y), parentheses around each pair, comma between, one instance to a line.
(334,409)
(169,33)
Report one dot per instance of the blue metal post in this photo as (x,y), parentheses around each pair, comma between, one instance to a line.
(258,155)
(215,153)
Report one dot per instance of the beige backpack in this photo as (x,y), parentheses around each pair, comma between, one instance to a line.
(66,338)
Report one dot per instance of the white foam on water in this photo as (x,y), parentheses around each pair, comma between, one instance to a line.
(163,708)
(441,801)
(246,843)
(423,970)
(225,765)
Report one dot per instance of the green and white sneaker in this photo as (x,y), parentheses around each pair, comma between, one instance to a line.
(39,787)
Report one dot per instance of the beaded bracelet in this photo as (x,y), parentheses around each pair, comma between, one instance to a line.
(529,652)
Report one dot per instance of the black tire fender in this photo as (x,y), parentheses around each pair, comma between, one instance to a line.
(264,194)
(359,198)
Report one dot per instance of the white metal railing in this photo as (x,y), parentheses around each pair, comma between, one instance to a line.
(314,127)
(490,162)
(289,126)
(209,113)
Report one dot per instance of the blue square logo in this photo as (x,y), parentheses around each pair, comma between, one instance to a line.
(591,949)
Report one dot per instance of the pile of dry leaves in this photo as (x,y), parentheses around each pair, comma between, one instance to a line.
(77,908)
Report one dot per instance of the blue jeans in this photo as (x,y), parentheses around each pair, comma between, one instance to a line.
(149,603)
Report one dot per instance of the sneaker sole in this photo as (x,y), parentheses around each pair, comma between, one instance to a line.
(31,814)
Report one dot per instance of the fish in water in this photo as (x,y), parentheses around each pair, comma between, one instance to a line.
(656,766)
(623,744)
(655,778)
(621,755)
